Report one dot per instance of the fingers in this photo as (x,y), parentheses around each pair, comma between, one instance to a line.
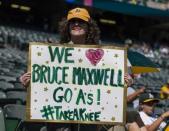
(25,78)
(28,74)
(128,80)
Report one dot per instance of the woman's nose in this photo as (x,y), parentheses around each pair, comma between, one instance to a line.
(76,22)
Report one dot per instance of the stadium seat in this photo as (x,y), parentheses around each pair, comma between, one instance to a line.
(17,95)
(7,78)
(43,128)
(5,85)
(14,116)
(15,111)
(161,104)
(158,111)
(2,95)
(2,121)
(18,85)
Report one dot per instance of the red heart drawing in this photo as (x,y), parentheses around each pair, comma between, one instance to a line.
(94,56)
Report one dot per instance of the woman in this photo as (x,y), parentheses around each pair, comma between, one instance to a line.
(77,28)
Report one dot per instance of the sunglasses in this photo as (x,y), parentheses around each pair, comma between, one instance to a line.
(79,21)
(151,103)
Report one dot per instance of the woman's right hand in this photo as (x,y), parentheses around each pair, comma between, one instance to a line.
(25,79)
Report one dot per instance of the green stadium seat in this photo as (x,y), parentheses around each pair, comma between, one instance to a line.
(2,95)
(17,95)
(2,121)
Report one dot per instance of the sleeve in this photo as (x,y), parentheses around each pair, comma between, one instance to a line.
(146,119)
(130,90)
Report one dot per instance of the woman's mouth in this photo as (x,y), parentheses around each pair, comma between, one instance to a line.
(76,28)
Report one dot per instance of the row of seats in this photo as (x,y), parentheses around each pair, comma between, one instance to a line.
(13,63)
(20,37)
(12,93)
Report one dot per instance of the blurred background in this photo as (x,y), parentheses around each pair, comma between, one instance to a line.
(142,25)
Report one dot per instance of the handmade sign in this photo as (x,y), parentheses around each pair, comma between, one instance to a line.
(76,84)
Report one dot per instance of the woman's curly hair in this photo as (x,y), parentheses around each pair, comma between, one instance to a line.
(93,34)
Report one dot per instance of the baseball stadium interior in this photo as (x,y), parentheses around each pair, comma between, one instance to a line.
(140,25)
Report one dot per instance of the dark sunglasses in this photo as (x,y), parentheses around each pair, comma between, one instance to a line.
(73,21)
(151,103)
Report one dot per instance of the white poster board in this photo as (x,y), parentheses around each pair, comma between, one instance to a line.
(77,84)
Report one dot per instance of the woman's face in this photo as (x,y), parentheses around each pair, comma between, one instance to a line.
(78,27)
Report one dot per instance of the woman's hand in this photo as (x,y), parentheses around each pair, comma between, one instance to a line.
(128,80)
(25,79)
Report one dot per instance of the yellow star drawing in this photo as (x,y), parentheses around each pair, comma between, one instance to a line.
(108,91)
(39,53)
(115,106)
(80,60)
(45,89)
(116,55)
(113,118)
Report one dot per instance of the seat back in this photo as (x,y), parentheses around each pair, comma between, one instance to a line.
(2,121)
